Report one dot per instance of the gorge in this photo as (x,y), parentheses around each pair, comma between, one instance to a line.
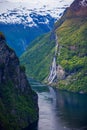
(46,88)
(69,65)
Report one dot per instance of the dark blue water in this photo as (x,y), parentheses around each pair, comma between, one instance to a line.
(60,110)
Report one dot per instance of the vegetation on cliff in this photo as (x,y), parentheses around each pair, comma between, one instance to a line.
(71,31)
(18,102)
(38,57)
(72,36)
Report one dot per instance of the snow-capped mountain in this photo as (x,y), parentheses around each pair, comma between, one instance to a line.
(24,20)
(25,11)
(83,3)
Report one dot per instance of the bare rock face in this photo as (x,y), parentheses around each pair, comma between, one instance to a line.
(60,72)
(18,101)
(77,9)
(10,68)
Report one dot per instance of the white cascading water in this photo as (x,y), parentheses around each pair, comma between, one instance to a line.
(53,69)
(53,72)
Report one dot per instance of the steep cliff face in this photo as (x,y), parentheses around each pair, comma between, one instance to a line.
(38,57)
(77,9)
(69,72)
(71,30)
(18,102)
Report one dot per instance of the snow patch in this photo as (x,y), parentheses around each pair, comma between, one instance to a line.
(18,11)
(83,3)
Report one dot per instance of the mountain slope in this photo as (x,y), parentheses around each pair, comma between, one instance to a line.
(18,36)
(38,57)
(22,21)
(18,102)
(71,56)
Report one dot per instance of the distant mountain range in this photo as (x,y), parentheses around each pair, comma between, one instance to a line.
(22,21)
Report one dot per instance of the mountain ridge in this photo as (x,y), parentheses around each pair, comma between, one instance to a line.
(71,32)
(22,21)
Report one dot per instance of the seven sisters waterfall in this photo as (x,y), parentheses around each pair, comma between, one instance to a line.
(56,71)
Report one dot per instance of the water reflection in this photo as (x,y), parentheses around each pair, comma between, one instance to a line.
(72,109)
(60,110)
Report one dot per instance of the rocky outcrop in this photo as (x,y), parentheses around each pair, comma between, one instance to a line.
(18,102)
(77,9)
(60,72)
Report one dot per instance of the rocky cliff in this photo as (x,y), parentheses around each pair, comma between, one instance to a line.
(77,9)
(18,102)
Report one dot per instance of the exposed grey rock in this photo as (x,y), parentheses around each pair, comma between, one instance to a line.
(60,72)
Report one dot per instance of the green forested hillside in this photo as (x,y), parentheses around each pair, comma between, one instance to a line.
(72,36)
(38,57)
(71,31)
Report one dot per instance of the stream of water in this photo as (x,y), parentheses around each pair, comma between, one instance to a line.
(60,110)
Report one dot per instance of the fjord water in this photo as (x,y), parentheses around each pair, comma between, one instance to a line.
(60,110)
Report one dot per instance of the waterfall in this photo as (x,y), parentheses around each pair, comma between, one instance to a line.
(53,68)
(53,72)
(56,71)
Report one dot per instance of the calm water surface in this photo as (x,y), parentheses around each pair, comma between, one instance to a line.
(60,110)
